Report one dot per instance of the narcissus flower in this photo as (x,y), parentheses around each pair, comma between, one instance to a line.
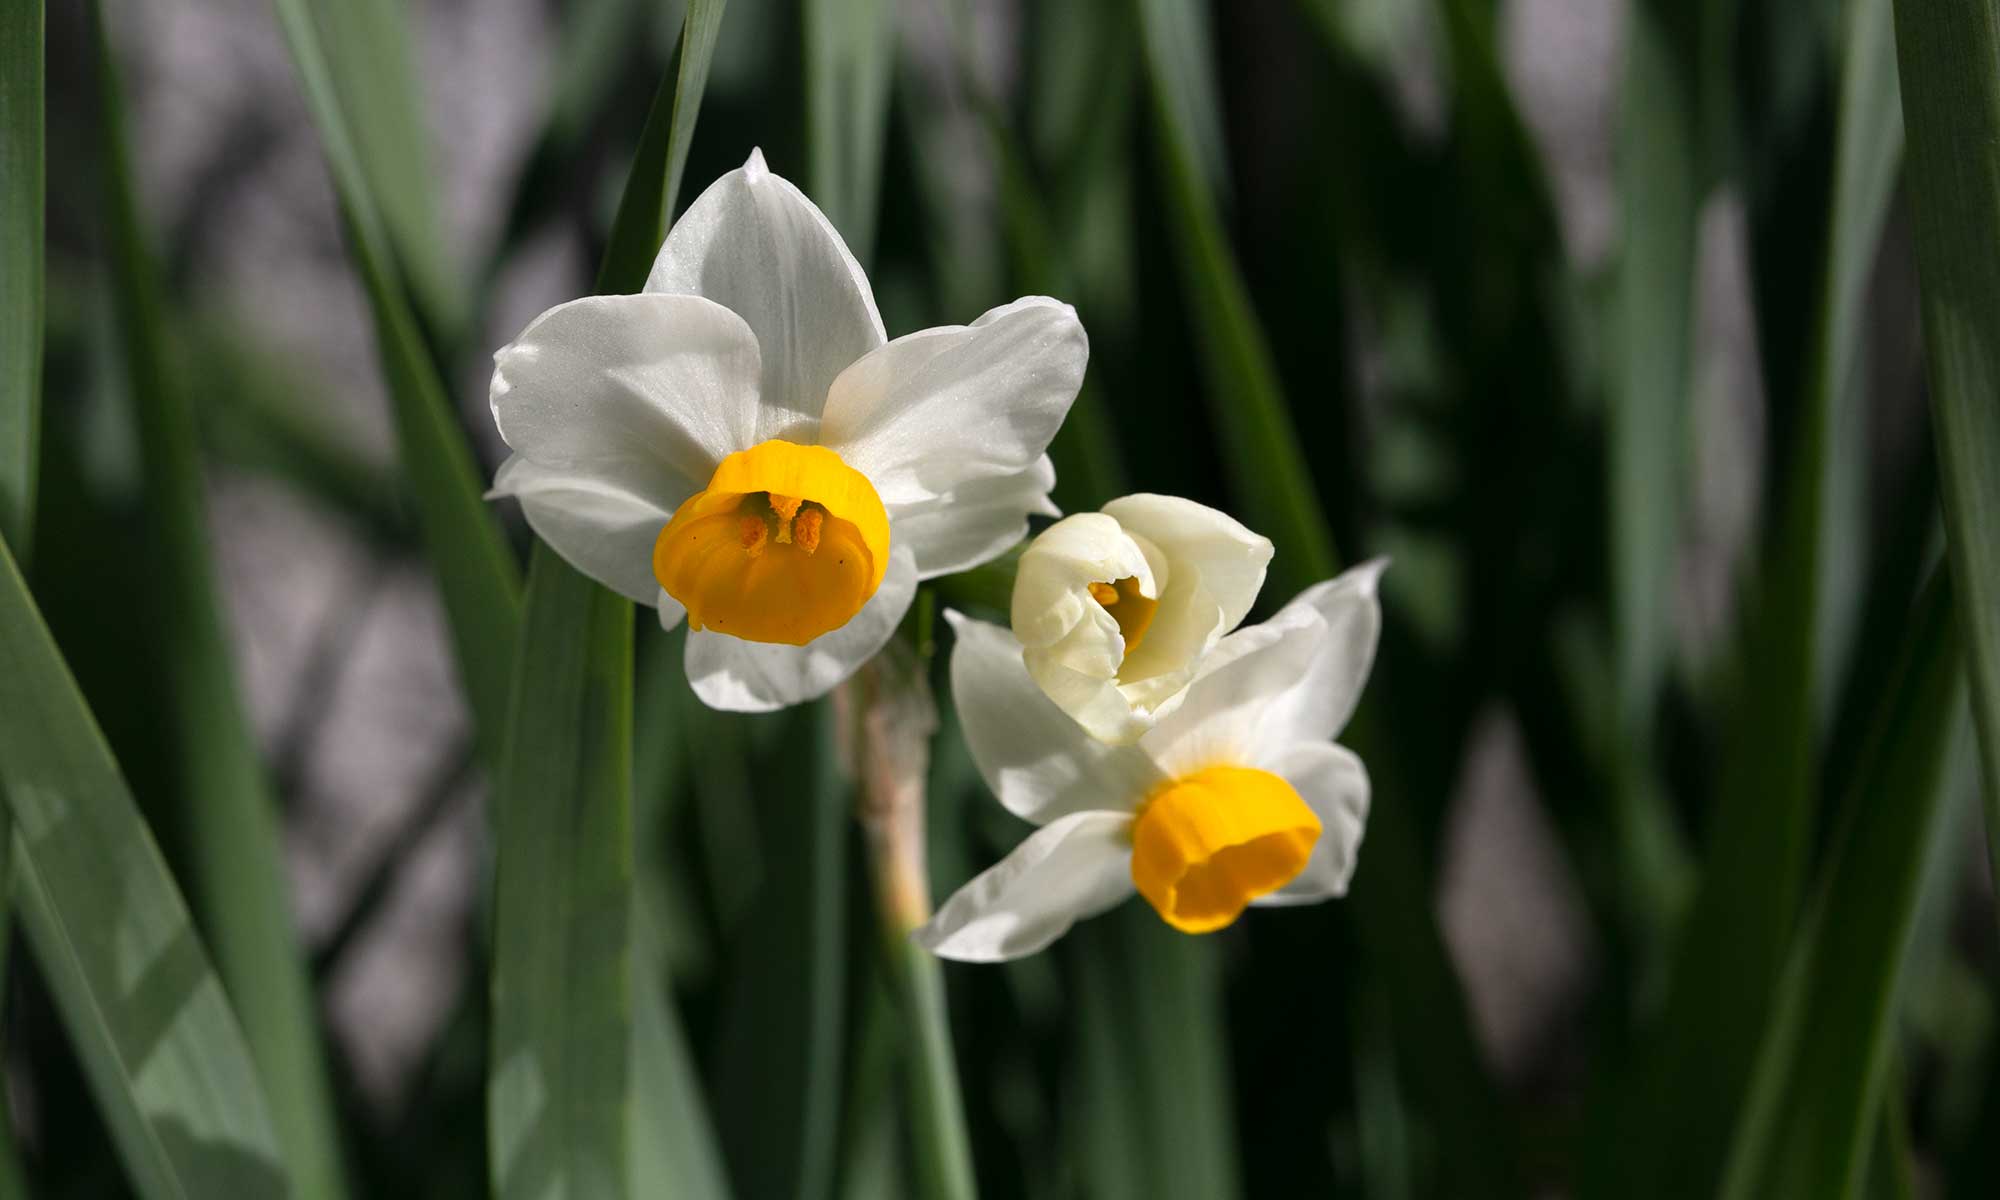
(1116,608)
(1237,797)
(742,444)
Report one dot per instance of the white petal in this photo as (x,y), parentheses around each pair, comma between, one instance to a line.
(1334,784)
(1067,870)
(644,393)
(974,523)
(730,673)
(672,611)
(1226,714)
(929,413)
(1229,559)
(1051,585)
(1040,763)
(753,243)
(1319,706)
(598,528)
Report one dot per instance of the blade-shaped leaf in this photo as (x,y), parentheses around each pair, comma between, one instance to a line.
(848,58)
(1153,1075)
(559,1095)
(1266,464)
(1675,1128)
(1950,55)
(587,1058)
(163,1053)
(20,267)
(373,66)
(234,850)
(646,206)
(1810,1118)
(1654,319)
(477,574)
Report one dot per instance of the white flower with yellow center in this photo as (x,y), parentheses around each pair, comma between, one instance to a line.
(742,444)
(1116,608)
(1237,797)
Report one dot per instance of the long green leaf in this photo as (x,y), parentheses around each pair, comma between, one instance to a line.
(646,206)
(20,268)
(1676,1128)
(477,574)
(559,1092)
(1153,1075)
(778,1053)
(163,1053)
(1267,471)
(1654,321)
(373,66)
(21,228)
(1807,1127)
(848,46)
(1950,55)
(587,1057)
(1267,467)
(231,815)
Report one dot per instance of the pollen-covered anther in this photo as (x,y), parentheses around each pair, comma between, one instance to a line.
(806,529)
(786,507)
(1104,594)
(755,533)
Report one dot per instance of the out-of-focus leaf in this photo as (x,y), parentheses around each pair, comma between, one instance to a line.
(1868,151)
(849,53)
(646,206)
(224,797)
(161,1049)
(778,1054)
(1675,1125)
(373,65)
(594,44)
(256,414)
(672,1141)
(1950,56)
(1654,317)
(559,1092)
(1153,1076)
(20,357)
(1266,462)
(476,572)
(1808,1123)
(20,268)
(1892,1168)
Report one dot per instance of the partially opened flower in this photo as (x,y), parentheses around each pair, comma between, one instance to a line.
(1116,608)
(1237,797)
(741,443)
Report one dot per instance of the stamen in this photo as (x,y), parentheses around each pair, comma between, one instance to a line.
(754,534)
(1104,594)
(806,529)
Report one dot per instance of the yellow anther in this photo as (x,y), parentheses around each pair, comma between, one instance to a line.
(806,529)
(1104,594)
(755,532)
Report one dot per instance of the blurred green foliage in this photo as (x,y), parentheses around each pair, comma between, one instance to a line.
(1353,316)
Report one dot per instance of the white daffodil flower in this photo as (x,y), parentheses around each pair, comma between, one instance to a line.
(1237,797)
(1116,608)
(742,444)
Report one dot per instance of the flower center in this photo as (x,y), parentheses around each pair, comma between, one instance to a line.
(1207,844)
(786,542)
(1129,607)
